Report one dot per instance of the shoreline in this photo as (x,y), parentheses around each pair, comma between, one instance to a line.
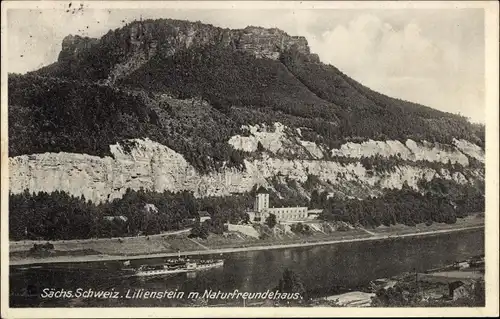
(104,257)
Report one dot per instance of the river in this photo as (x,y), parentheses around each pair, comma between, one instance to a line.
(324,270)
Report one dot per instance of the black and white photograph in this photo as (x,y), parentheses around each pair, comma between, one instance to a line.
(194,158)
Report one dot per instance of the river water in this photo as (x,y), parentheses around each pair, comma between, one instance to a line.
(324,270)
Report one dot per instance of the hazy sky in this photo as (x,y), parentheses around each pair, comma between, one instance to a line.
(431,56)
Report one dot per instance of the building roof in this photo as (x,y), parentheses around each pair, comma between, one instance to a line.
(455,284)
(314,211)
(203,213)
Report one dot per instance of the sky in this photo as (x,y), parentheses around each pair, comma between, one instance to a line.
(430,56)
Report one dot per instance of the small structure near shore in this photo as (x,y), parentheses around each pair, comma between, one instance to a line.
(352,299)
(462,264)
(42,249)
(204,215)
(459,289)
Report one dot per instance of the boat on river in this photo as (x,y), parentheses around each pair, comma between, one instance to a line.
(177,265)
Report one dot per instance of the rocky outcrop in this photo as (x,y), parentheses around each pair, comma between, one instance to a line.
(470,149)
(281,140)
(139,41)
(411,151)
(277,139)
(73,45)
(269,43)
(156,167)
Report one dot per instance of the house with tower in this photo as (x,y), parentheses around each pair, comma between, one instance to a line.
(261,210)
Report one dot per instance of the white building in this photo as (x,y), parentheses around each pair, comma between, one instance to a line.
(204,215)
(283,214)
(314,213)
(113,218)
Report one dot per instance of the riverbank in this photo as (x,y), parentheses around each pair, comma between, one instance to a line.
(114,250)
(431,287)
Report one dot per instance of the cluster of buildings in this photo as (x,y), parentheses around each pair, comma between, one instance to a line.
(147,208)
(259,214)
(262,211)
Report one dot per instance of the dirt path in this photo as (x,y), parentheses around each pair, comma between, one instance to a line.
(90,258)
(199,244)
(27,244)
(369,232)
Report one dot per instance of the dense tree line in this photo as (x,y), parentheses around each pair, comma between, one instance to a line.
(54,115)
(60,216)
(439,200)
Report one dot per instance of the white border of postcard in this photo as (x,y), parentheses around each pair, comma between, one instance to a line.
(492,211)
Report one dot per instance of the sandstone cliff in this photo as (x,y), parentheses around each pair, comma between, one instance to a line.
(280,139)
(156,167)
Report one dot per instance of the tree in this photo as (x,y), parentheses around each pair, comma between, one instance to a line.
(314,202)
(199,231)
(246,218)
(271,220)
(291,283)
(323,197)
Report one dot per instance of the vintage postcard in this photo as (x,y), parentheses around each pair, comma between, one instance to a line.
(256,159)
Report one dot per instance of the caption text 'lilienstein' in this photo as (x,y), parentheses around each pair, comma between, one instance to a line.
(48,293)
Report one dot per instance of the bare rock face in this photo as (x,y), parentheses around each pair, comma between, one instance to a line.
(280,140)
(269,43)
(411,150)
(156,167)
(470,149)
(139,41)
(73,45)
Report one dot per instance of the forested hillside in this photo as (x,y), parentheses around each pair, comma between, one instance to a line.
(442,201)
(368,110)
(206,99)
(57,115)
(53,115)
(341,108)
